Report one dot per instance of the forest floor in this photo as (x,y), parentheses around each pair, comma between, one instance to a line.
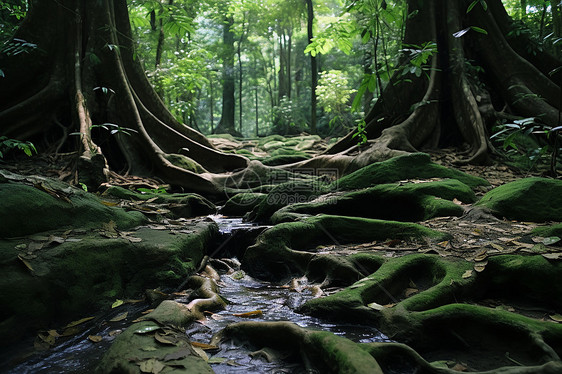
(476,236)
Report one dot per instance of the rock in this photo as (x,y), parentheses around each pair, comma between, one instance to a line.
(35,204)
(242,203)
(89,271)
(529,199)
(184,205)
(411,166)
(399,202)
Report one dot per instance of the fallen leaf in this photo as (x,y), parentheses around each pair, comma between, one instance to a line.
(201,353)
(178,355)
(497,246)
(216,360)
(410,291)
(151,366)
(147,329)
(481,256)
(148,349)
(524,245)
(480,266)
(162,339)
(119,317)
(467,274)
(117,303)
(551,240)
(204,346)
(556,317)
(552,256)
(79,322)
(95,338)
(115,332)
(252,314)
(375,306)
(27,264)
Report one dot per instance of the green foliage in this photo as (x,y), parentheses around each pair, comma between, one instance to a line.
(159,190)
(527,142)
(7,144)
(333,91)
(361,133)
(418,58)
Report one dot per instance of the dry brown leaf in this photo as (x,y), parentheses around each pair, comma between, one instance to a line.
(119,317)
(497,246)
(467,274)
(553,256)
(163,339)
(410,291)
(95,338)
(27,264)
(204,346)
(78,322)
(480,266)
(481,256)
(252,314)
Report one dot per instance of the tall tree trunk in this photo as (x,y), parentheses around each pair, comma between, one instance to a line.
(313,67)
(85,57)
(451,106)
(226,123)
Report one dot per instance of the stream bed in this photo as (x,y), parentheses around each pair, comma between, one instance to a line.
(77,354)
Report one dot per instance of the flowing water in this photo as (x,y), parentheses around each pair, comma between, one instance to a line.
(77,354)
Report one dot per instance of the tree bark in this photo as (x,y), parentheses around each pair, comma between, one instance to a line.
(452,106)
(313,67)
(84,48)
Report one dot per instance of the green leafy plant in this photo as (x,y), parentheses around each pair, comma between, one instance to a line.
(159,190)
(528,142)
(7,144)
(361,133)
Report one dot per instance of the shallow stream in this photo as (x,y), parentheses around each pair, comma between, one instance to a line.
(77,354)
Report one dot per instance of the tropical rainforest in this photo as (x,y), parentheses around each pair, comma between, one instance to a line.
(266,186)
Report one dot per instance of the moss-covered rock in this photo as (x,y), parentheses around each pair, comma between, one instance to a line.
(242,203)
(88,271)
(284,159)
(554,230)
(529,199)
(35,204)
(288,248)
(185,162)
(184,205)
(145,340)
(324,351)
(135,349)
(433,305)
(411,166)
(402,202)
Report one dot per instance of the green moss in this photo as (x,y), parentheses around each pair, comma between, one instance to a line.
(275,254)
(409,202)
(283,159)
(26,210)
(529,199)
(74,278)
(184,205)
(241,203)
(185,162)
(413,166)
(144,347)
(342,355)
(554,230)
